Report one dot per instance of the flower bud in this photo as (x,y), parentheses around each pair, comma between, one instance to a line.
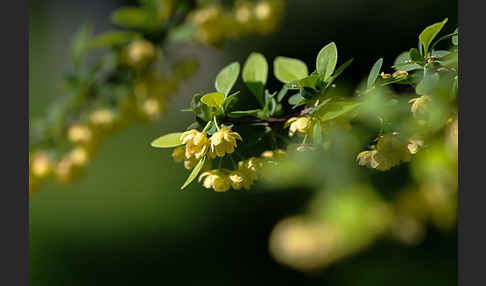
(179,154)
(420,105)
(301,125)
(78,133)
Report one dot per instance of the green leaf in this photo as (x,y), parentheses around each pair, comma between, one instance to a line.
(404,63)
(335,109)
(181,33)
(339,71)
(194,172)
(310,82)
(80,43)
(326,61)
(288,69)
(243,113)
(295,99)
(282,93)
(428,84)
(255,69)
(317,133)
(201,110)
(213,99)
(227,77)
(375,71)
(455,38)
(168,140)
(130,17)
(415,56)
(230,101)
(112,39)
(429,33)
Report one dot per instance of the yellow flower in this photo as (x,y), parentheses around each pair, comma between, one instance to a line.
(190,163)
(367,158)
(301,125)
(79,156)
(414,145)
(419,105)
(223,142)
(240,180)
(250,167)
(196,143)
(140,53)
(179,154)
(216,180)
(263,10)
(102,117)
(79,133)
(41,165)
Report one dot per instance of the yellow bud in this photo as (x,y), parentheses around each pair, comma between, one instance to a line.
(40,164)
(179,154)
(139,53)
(385,75)
(366,158)
(243,14)
(400,74)
(79,133)
(151,107)
(414,145)
(79,156)
(190,163)
(263,10)
(102,117)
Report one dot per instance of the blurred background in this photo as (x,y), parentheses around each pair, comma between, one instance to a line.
(126,222)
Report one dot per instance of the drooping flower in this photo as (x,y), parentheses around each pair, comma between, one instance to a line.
(419,105)
(240,180)
(196,143)
(179,154)
(223,142)
(367,158)
(300,125)
(216,180)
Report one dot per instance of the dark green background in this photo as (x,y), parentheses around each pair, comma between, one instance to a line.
(126,223)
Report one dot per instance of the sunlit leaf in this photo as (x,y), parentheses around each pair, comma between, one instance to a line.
(288,69)
(213,99)
(429,33)
(326,61)
(227,77)
(255,69)
(168,140)
(194,172)
(375,71)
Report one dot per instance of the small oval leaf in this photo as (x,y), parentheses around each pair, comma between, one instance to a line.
(227,77)
(375,71)
(213,99)
(168,140)
(288,69)
(194,172)
(326,60)
(255,69)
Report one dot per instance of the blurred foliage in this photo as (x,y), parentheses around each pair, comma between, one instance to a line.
(130,81)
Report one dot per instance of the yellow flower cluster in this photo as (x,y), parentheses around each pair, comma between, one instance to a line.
(197,145)
(390,151)
(243,177)
(216,24)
